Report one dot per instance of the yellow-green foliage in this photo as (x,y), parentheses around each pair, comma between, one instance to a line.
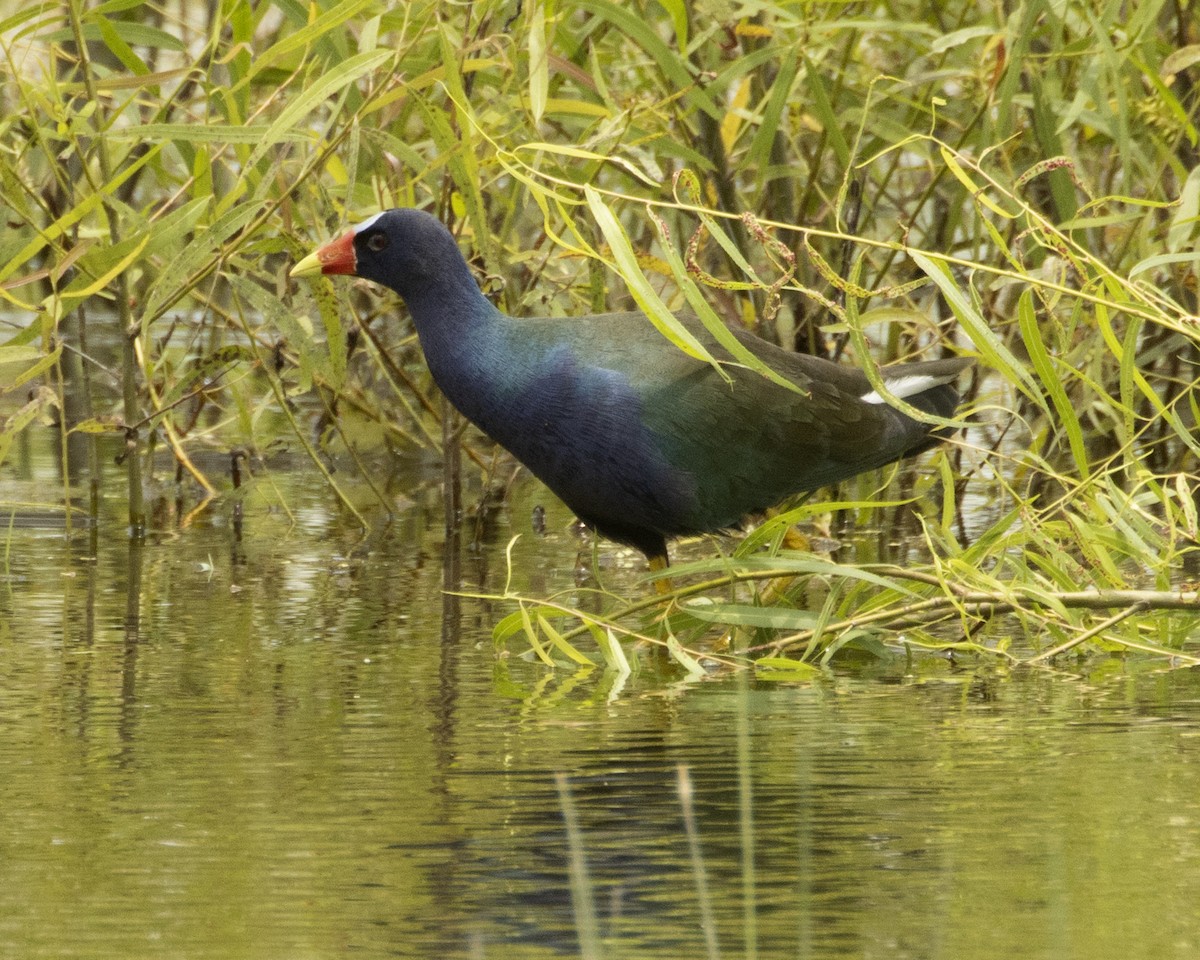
(875,180)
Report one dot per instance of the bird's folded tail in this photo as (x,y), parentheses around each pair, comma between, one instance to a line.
(919,383)
(930,388)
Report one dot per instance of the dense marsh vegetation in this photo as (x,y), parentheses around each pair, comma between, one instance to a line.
(1020,183)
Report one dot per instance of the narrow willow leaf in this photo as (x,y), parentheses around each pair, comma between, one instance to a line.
(991,348)
(856,640)
(580,108)
(559,642)
(506,628)
(1162,260)
(1110,63)
(1146,646)
(334,81)
(759,154)
(120,49)
(745,615)
(822,107)
(1043,365)
(19,353)
(106,278)
(1179,60)
(205,369)
(335,332)
(904,316)
(10,382)
(295,41)
(531,636)
(793,563)
(580,154)
(949,494)
(714,324)
(687,183)
(733,121)
(1187,504)
(977,193)
(1107,220)
(206,133)
(685,659)
(42,399)
(871,370)
(539,62)
(639,287)
(83,264)
(459,150)
(99,425)
(353,144)
(315,359)
(1097,549)
(677,9)
(452,74)
(130,32)
(614,654)
(9,24)
(1127,352)
(746,65)
(954,38)
(1128,356)
(786,668)
(401,149)
(368,36)
(169,233)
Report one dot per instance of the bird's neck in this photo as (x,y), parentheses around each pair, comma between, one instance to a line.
(464,338)
(448,309)
(442,286)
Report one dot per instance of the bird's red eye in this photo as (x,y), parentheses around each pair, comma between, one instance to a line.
(377,242)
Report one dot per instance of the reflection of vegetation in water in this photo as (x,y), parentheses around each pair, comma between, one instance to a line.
(305,757)
(1021,194)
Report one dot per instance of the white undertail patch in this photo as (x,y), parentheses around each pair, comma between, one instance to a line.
(903,387)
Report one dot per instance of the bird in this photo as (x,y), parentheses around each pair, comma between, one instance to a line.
(642,441)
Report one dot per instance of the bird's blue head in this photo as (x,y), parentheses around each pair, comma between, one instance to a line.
(404,249)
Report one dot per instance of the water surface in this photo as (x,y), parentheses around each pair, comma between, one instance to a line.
(295,745)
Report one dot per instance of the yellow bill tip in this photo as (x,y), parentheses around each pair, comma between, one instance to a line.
(308,267)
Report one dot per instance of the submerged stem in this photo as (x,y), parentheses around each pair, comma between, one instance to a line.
(129,331)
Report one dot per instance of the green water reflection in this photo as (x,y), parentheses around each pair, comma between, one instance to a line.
(296,746)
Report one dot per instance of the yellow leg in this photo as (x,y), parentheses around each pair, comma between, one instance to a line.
(793,539)
(662,585)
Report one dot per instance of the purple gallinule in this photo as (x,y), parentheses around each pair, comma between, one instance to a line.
(643,442)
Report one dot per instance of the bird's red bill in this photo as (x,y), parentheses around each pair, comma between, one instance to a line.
(337,256)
